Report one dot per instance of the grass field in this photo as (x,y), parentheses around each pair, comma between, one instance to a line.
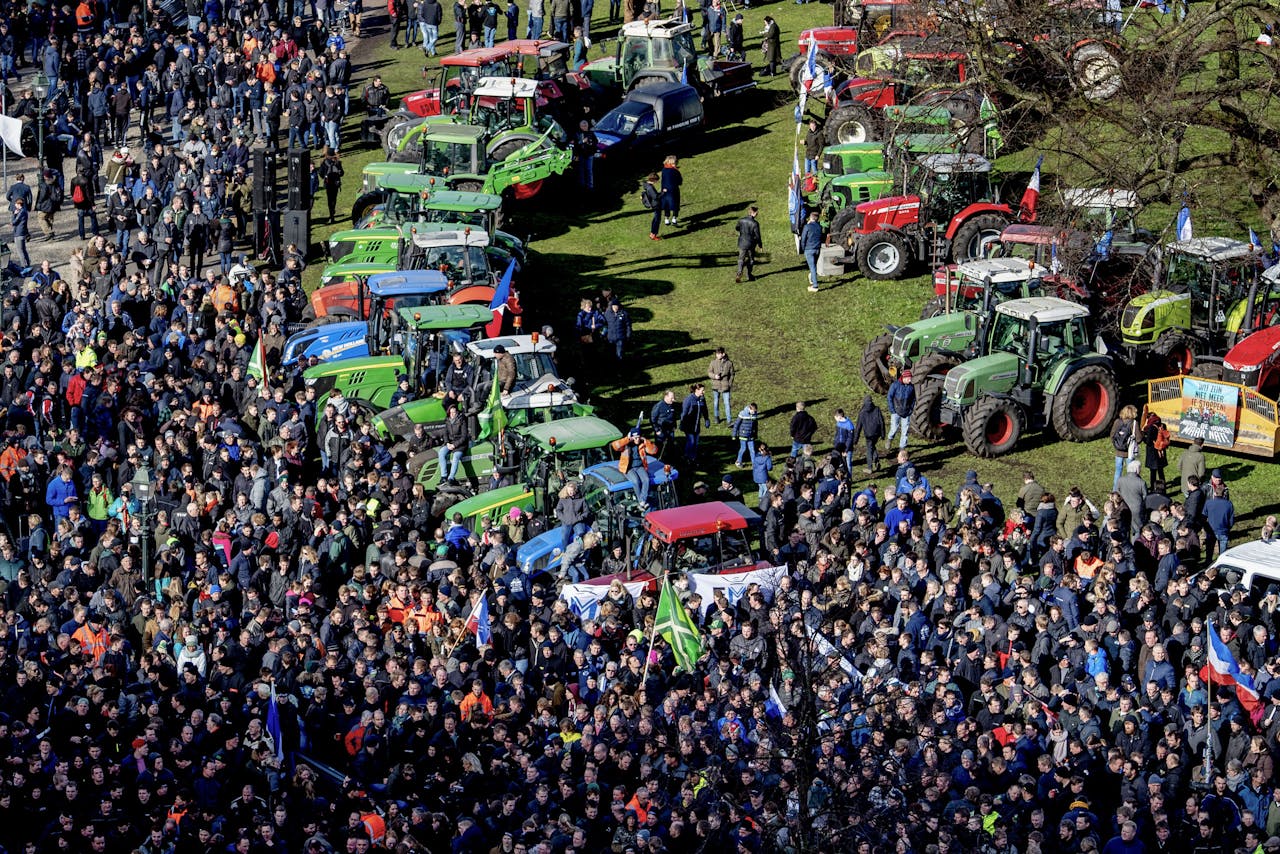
(788,344)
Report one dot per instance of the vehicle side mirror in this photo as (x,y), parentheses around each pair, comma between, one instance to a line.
(570,382)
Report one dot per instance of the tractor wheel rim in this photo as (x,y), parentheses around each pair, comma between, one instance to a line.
(852,132)
(1089,404)
(1181,359)
(999,428)
(883,258)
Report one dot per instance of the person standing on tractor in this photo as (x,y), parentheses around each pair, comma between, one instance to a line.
(813,143)
(633,461)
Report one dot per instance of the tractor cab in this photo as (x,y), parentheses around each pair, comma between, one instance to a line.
(390,292)
(460,255)
(655,45)
(426,337)
(1206,297)
(452,150)
(1040,332)
(948,183)
(461,74)
(714,537)
(503,103)
(978,286)
(879,18)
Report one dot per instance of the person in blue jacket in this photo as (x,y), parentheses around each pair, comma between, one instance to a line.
(902,399)
(61,494)
(693,417)
(810,246)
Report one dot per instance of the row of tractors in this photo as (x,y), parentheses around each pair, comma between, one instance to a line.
(1030,322)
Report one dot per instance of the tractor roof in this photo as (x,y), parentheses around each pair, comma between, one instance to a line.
(536,47)
(1214,249)
(478,56)
(406,283)
(1105,199)
(573,434)
(454,133)
(516,345)
(1271,275)
(506,87)
(947,164)
(452,237)
(1022,233)
(663,29)
(437,317)
(698,520)
(1000,269)
(1043,309)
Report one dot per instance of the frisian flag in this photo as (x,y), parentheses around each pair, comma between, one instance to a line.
(1223,670)
(1030,196)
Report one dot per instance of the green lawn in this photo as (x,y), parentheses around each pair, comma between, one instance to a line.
(788,344)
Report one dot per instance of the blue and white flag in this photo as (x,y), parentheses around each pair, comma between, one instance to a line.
(1184,223)
(774,708)
(273,725)
(1103,248)
(1254,240)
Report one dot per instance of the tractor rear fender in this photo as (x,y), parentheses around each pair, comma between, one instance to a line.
(1068,368)
(973,210)
(1113,47)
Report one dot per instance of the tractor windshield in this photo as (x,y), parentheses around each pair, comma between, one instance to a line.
(531,366)
(459,82)
(475,219)
(553,65)
(1188,274)
(460,264)
(496,114)
(1053,340)
(1008,334)
(447,158)
(711,551)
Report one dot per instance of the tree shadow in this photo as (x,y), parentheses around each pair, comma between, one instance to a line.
(789,407)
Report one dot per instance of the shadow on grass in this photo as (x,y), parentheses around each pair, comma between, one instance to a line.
(789,407)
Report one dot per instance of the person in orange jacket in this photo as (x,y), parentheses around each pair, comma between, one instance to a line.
(633,461)
(476,703)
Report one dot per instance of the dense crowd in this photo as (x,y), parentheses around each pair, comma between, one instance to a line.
(272,647)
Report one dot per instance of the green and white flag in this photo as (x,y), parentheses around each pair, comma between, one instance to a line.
(677,628)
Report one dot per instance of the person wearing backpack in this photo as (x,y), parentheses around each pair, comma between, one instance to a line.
(651,198)
(1123,440)
(49,202)
(1155,435)
(83,199)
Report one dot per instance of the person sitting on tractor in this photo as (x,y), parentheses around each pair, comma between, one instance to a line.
(633,460)
(457,381)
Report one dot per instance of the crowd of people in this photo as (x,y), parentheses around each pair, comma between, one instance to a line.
(231,621)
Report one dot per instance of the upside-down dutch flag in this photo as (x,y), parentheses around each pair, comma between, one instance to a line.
(1222,669)
(499,303)
(478,622)
(1255,241)
(1183,225)
(1154,4)
(1027,207)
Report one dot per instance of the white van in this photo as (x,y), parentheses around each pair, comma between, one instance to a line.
(1256,563)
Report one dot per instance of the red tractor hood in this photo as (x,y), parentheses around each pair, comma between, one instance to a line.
(1254,350)
(425,102)
(888,204)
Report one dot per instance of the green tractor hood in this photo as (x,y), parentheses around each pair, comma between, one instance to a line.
(993,374)
(953,331)
(370,378)
(1148,315)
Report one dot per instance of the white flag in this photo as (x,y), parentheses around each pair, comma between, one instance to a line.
(11,133)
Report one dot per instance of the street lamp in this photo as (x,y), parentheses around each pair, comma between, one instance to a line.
(40,88)
(144,489)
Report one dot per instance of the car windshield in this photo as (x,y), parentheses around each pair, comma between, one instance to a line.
(624,120)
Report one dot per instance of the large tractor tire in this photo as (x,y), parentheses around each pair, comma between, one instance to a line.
(883,255)
(365,202)
(1096,71)
(928,375)
(506,148)
(854,123)
(973,238)
(935,306)
(795,69)
(841,232)
(1176,353)
(1208,370)
(993,426)
(875,363)
(1085,405)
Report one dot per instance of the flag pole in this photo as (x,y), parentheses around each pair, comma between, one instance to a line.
(1208,716)
(653,636)
(462,634)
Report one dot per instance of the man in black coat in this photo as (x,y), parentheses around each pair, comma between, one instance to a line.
(749,241)
(802,428)
(870,426)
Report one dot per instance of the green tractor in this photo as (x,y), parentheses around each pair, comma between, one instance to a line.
(420,341)
(1038,367)
(411,197)
(535,461)
(465,159)
(848,174)
(1207,300)
(932,346)
(651,52)
(507,108)
(537,395)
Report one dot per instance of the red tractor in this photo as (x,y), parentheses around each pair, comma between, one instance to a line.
(858,26)
(544,60)
(952,213)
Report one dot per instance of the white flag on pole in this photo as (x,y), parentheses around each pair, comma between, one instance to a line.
(11,133)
